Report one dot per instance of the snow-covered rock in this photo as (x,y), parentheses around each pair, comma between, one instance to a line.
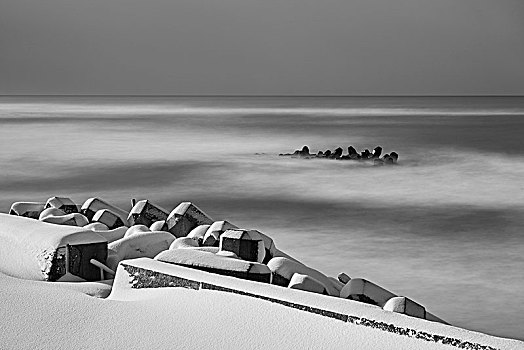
(112,235)
(365,291)
(405,306)
(213,233)
(96,226)
(342,277)
(108,218)
(144,244)
(27,209)
(284,268)
(183,242)
(306,283)
(53,216)
(185,217)
(136,229)
(158,226)
(146,213)
(62,203)
(198,232)
(336,283)
(214,263)
(37,250)
(92,205)
(246,244)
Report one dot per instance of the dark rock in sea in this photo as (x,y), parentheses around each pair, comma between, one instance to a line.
(337,153)
(377,151)
(327,153)
(320,154)
(394,155)
(352,150)
(365,154)
(389,160)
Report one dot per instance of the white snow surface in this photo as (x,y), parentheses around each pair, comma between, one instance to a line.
(25,242)
(46,315)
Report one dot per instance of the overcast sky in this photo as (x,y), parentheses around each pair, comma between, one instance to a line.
(347,47)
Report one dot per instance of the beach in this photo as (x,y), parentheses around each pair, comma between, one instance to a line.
(443,227)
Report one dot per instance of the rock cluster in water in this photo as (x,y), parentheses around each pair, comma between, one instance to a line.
(184,236)
(352,154)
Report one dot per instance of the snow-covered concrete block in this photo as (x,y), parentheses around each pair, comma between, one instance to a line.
(284,268)
(92,205)
(246,244)
(221,265)
(306,283)
(62,203)
(365,291)
(136,229)
(406,306)
(336,283)
(185,217)
(58,217)
(145,244)
(108,218)
(198,232)
(27,209)
(213,233)
(342,277)
(158,226)
(146,213)
(32,249)
(112,235)
(96,226)
(183,242)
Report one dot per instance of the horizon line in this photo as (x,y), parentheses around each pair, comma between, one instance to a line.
(253,95)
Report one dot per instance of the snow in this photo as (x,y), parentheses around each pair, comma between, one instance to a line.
(25,244)
(216,229)
(198,232)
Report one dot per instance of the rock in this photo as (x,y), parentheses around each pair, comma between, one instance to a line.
(27,209)
(214,263)
(306,283)
(389,160)
(112,235)
(337,153)
(136,229)
(62,203)
(108,218)
(377,151)
(185,217)
(320,154)
(92,205)
(405,306)
(246,244)
(183,242)
(394,155)
(35,250)
(304,152)
(342,277)
(146,213)
(145,244)
(365,154)
(158,226)
(58,217)
(352,151)
(362,290)
(96,226)
(212,235)
(284,268)
(198,232)
(327,154)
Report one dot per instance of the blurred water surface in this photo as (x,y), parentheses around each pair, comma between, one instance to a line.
(444,227)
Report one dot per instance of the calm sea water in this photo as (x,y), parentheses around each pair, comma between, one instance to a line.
(445,227)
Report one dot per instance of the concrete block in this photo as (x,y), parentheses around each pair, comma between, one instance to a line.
(185,217)
(158,226)
(92,205)
(146,213)
(247,245)
(58,217)
(342,277)
(306,283)
(198,232)
(206,261)
(62,203)
(213,233)
(108,218)
(406,306)
(368,292)
(27,209)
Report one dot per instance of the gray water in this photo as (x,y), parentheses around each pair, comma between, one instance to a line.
(444,227)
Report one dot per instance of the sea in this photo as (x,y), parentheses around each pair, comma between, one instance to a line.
(444,227)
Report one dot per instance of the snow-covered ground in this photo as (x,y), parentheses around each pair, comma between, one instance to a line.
(44,315)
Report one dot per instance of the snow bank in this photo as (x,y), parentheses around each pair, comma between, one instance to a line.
(28,246)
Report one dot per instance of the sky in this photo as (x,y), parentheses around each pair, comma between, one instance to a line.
(270,47)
